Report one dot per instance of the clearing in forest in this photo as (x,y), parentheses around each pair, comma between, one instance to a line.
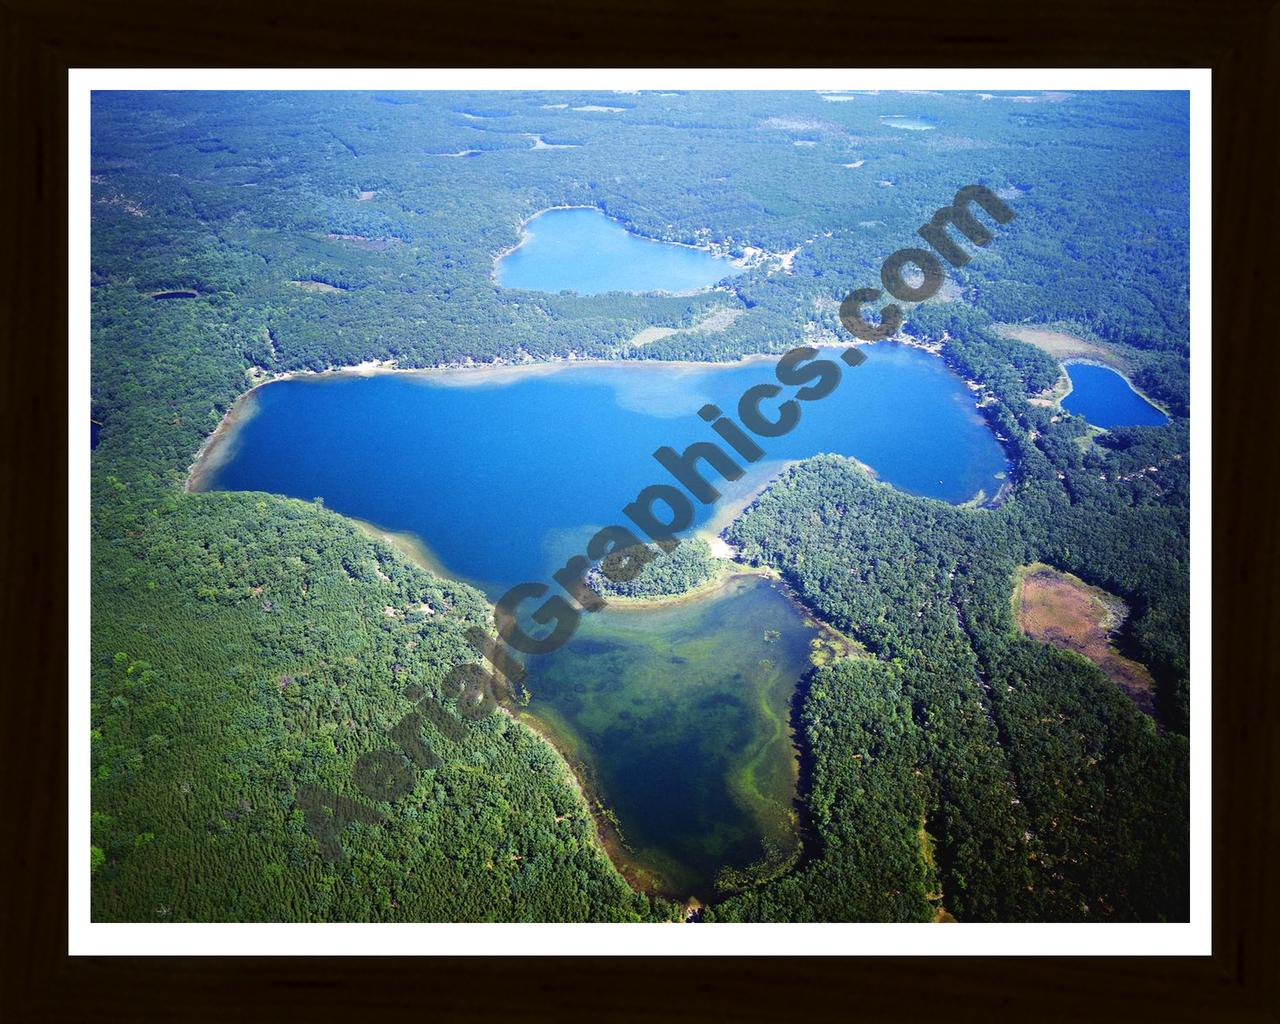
(1057,608)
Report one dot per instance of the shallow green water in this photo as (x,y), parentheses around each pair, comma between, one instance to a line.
(680,718)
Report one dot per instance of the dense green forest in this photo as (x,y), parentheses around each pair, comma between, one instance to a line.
(667,573)
(254,657)
(245,646)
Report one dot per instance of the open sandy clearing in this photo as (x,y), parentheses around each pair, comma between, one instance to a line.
(1057,608)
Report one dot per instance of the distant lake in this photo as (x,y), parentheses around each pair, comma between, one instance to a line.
(581,250)
(907,122)
(1106,400)
(678,715)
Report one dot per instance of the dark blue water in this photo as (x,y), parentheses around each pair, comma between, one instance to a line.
(583,251)
(506,478)
(1104,398)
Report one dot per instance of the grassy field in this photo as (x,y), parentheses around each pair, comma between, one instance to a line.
(1057,608)
(1064,346)
(716,320)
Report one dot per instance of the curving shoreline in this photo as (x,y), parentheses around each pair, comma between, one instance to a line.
(466,374)
(834,644)
(612,842)
(725,574)
(1066,348)
(1084,361)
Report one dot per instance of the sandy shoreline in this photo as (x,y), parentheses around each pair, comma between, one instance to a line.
(410,546)
(609,836)
(522,235)
(727,573)
(214,450)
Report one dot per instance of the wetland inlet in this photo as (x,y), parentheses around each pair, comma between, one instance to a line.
(679,719)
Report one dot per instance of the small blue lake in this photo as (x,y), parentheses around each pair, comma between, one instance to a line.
(503,474)
(581,250)
(1106,400)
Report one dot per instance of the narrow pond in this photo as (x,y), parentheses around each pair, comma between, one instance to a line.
(678,715)
(906,122)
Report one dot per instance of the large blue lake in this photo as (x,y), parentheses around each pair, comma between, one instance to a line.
(1106,400)
(581,250)
(676,717)
(505,474)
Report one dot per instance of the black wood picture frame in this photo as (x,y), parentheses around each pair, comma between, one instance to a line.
(41,39)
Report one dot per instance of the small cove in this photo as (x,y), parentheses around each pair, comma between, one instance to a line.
(679,718)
